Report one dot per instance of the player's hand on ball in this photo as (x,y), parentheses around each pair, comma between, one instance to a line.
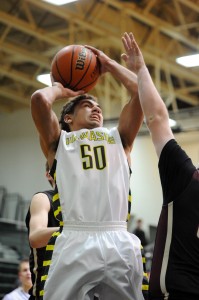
(76,68)
(65,92)
(102,57)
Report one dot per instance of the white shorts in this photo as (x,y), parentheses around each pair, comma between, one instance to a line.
(100,259)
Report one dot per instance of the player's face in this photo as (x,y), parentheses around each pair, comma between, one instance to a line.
(88,114)
(25,275)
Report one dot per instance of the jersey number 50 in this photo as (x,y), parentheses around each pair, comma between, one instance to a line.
(93,157)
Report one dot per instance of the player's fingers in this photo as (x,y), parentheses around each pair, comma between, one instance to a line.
(93,49)
(124,44)
(71,93)
(134,44)
(127,39)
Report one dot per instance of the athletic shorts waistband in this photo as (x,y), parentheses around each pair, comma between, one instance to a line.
(95,226)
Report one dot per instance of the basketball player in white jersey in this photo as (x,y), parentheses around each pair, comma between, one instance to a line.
(94,254)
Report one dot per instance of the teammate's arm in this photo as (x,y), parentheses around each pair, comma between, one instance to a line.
(40,233)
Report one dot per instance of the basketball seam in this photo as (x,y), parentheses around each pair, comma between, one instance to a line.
(90,53)
(71,66)
(89,84)
(63,80)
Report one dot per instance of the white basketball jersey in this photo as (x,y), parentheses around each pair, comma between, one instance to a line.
(92,175)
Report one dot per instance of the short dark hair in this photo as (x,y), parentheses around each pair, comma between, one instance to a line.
(23,260)
(69,108)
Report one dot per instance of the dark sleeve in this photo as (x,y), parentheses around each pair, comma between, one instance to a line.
(176,170)
(52,221)
(53,169)
(27,219)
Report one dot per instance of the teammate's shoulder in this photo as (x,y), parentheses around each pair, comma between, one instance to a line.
(46,192)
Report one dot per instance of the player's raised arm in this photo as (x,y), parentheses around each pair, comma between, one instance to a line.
(131,116)
(45,118)
(155,112)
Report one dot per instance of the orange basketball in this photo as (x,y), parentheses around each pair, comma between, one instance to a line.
(76,68)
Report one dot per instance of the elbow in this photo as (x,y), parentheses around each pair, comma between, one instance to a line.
(39,101)
(34,243)
(37,94)
(156,116)
(157,122)
(40,97)
(153,120)
(149,120)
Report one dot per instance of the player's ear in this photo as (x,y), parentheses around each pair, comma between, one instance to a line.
(67,119)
